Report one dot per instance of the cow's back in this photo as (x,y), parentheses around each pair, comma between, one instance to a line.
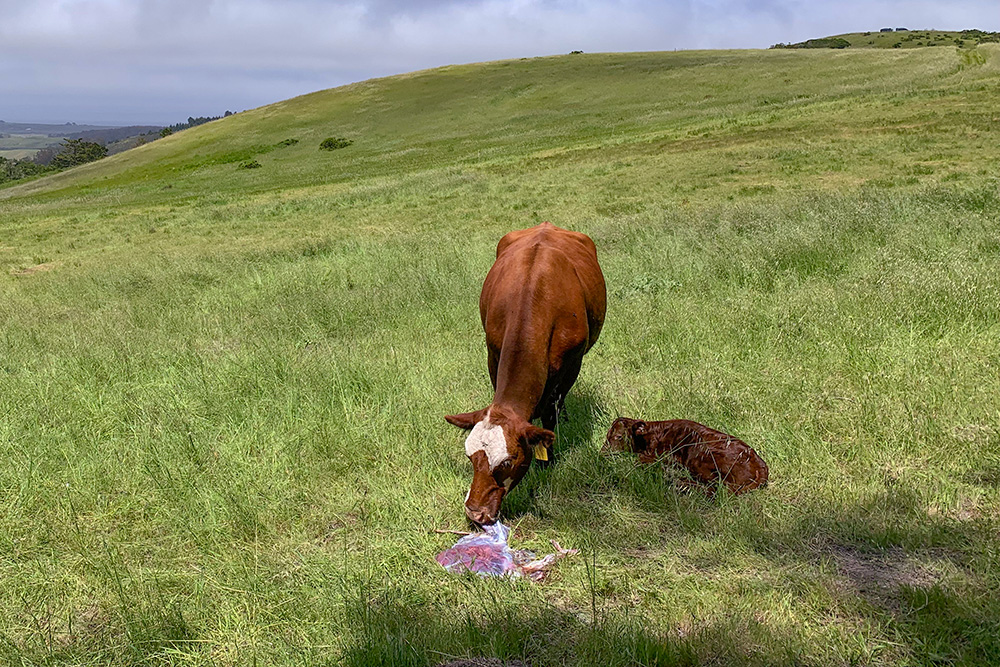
(554,267)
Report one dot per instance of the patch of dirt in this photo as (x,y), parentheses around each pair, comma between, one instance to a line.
(973,432)
(37,268)
(82,625)
(967,510)
(878,576)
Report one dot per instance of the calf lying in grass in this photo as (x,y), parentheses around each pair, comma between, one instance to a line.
(710,456)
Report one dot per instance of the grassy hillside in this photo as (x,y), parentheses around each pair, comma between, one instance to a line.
(910,39)
(904,39)
(222,389)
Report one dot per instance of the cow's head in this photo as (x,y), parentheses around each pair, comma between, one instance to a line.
(500,447)
(625,435)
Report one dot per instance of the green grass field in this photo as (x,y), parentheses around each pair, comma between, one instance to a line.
(20,146)
(18,153)
(222,390)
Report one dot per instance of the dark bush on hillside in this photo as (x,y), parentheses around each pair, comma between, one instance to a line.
(981,36)
(286,142)
(78,151)
(13,170)
(333,143)
(250,164)
(823,43)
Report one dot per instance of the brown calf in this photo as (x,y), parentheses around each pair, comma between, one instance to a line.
(711,456)
(542,307)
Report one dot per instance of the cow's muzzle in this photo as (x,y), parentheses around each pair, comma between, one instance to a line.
(481,515)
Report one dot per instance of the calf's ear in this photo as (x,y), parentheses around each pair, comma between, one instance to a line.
(639,428)
(466,420)
(538,436)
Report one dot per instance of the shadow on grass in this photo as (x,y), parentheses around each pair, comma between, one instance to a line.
(920,586)
(583,414)
(931,580)
(386,628)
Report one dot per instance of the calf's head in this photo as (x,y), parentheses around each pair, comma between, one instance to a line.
(500,447)
(626,435)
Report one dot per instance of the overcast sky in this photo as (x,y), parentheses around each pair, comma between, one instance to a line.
(160,61)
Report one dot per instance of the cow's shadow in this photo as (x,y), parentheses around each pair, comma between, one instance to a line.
(584,414)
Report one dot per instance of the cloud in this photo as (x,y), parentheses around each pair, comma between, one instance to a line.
(163,60)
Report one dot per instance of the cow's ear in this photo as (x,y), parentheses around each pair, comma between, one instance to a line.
(639,428)
(539,436)
(466,420)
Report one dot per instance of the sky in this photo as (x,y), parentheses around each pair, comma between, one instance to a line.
(159,61)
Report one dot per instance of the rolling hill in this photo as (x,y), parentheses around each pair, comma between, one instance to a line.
(226,356)
(900,38)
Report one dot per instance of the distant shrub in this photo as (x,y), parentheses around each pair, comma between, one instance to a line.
(250,164)
(333,143)
(13,170)
(897,45)
(981,36)
(286,142)
(822,43)
(575,52)
(77,151)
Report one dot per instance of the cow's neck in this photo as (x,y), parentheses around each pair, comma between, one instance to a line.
(521,378)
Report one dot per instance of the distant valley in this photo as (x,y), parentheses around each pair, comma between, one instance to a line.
(20,141)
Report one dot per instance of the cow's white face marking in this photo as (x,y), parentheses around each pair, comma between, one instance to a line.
(489,439)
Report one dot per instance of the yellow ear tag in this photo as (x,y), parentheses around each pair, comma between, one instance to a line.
(541,453)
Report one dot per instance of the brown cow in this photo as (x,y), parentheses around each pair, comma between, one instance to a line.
(711,456)
(542,308)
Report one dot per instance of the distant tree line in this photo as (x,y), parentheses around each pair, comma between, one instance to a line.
(77,150)
(192,122)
